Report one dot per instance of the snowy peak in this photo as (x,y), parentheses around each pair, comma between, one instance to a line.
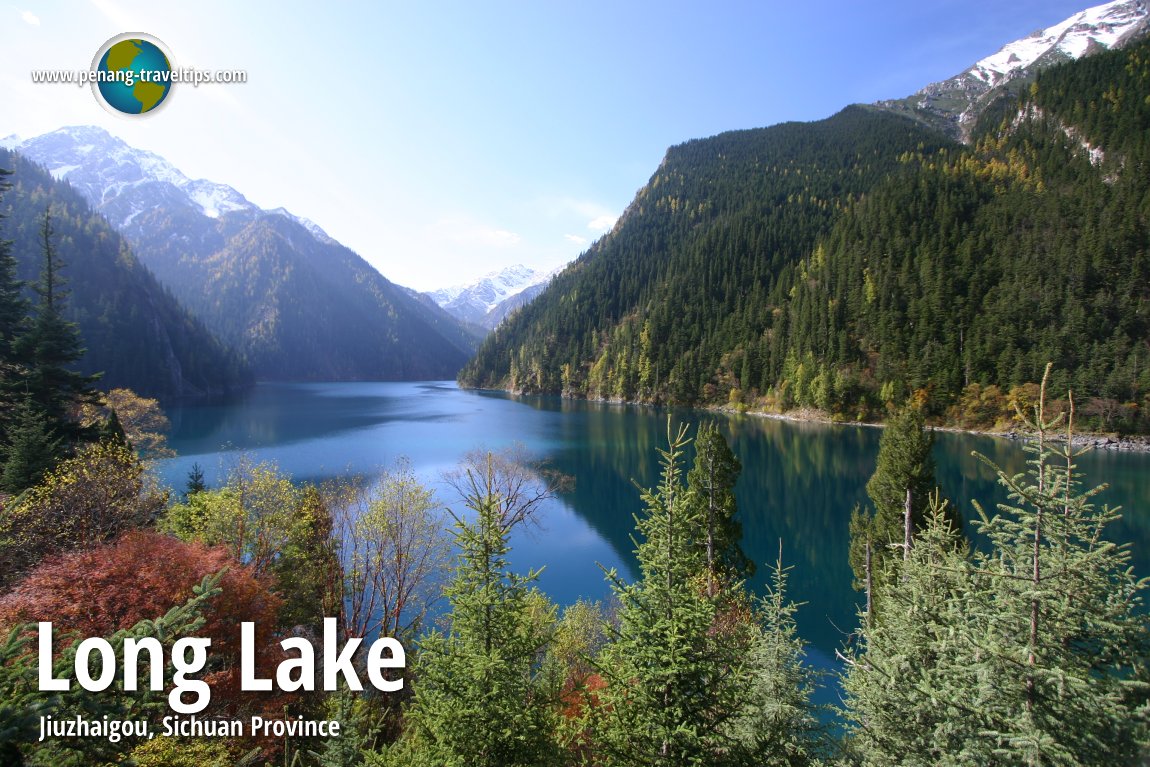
(955,104)
(122,182)
(1102,26)
(106,170)
(315,229)
(474,301)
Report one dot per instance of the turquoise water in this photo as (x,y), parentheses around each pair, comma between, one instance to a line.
(799,480)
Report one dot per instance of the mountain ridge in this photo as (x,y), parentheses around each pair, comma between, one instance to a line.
(135,331)
(293,301)
(847,264)
(954,104)
(488,300)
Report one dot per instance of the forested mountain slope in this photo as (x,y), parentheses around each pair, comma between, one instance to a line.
(848,263)
(1031,246)
(291,300)
(136,333)
(654,309)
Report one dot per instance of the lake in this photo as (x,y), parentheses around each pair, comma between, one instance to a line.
(799,482)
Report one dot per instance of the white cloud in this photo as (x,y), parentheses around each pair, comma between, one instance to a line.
(575,239)
(30,18)
(602,223)
(496,237)
(469,233)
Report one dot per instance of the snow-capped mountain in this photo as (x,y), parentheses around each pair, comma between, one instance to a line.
(475,302)
(293,302)
(121,181)
(956,103)
(1103,25)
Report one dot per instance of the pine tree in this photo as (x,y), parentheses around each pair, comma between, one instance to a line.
(780,724)
(22,703)
(32,448)
(195,483)
(909,686)
(900,489)
(13,311)
(711,490)
(111,430)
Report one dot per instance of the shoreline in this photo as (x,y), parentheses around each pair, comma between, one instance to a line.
(1137,443)
(1088,440)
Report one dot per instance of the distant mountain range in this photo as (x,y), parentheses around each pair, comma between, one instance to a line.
(487,301)
(137,334)
(292,301)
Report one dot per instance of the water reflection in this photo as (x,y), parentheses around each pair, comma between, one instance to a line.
(798,485)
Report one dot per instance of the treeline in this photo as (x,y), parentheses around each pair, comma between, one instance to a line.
(847,264)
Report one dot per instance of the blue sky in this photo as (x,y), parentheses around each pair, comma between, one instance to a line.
(444,140)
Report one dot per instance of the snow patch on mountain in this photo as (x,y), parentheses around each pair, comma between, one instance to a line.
(104,168)
(123,182)
(1103,25)
(315,229)
(490,289)
(475,301)
(955,104)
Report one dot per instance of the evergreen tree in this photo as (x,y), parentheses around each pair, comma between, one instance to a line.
(483,696)
(111,430)
(51,346)
(195,483)
(780,724)
(1032,652)
(22,703)
(677,669)
(711,490)
(13,311)
(13,306)
(32,448)
(903,478)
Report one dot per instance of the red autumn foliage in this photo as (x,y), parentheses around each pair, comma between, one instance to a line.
(142,575)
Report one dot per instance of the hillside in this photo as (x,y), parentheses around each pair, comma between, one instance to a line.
(651,311)
(955,104)
(136,333)
(961,282)
(293,302)
(849,263)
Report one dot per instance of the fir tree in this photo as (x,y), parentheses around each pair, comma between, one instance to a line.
(111,430)
(22,703)
(1031,652)
(13,311)
(32,447)
(677,668)
(711,490)
(195,483)
(780,724)
(900,489)
(51,345)
(483,696)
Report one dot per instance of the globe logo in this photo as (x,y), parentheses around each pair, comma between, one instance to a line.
(133,74)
